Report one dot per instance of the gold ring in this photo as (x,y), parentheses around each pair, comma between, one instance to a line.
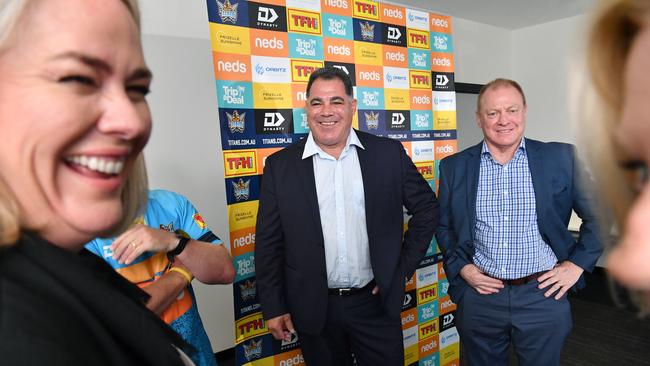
(133,244)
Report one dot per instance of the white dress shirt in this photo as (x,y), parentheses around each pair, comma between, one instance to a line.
(341,203)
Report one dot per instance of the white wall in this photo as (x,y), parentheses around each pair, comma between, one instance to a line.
(184,153)
(481,52)
(541,56)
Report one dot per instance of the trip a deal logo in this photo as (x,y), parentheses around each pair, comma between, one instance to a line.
(239,163)
(302,21)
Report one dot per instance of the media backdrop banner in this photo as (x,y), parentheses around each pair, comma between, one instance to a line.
(402,66)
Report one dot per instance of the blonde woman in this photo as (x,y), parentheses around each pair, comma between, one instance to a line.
(616,132)
(73,120)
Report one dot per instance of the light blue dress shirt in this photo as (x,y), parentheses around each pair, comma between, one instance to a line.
(341,202)
(507,238)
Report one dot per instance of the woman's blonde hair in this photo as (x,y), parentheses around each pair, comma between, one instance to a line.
(134,195)
(600,96)
(612,33)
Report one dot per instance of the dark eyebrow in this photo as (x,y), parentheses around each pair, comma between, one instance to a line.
(332,99)
(96,63)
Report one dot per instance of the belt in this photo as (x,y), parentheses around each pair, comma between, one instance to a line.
(346,291)
(523,280)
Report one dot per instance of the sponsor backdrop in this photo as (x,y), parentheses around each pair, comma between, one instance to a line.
(402,66)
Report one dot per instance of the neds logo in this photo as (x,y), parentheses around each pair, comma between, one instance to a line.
(274,43)
(421,99)
(444,305)
(429,346)
(446,149)
(294,361)
(301,96)
(341,50)
(441,61)
(236,66)
(369,75)
(439,22)
(393,13)
(343,4)
(245,240)
(394,56)
(408,319)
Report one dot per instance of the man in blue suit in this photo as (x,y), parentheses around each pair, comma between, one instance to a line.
(331,255)
(505,205)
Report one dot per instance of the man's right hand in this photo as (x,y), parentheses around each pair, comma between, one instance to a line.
(481,282)
(281,327)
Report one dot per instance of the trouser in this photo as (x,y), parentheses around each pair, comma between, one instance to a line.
(520,315)
(356,323)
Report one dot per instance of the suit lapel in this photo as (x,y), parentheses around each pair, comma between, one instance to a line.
(536,174)
(473,169)
(305,174)
(366,165)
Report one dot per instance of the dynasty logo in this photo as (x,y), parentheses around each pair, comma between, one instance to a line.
(236,122)
(227,11)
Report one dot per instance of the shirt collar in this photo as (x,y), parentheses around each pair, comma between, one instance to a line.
(522,148)
(312,148)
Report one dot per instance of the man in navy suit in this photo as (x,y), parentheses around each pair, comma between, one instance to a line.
(510,259)
(331,255)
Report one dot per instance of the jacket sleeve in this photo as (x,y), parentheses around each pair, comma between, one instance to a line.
(455,255)
(589,246)
(422,205)
(269,248)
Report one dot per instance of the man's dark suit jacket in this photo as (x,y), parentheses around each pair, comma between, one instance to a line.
(556,176)
(289,246)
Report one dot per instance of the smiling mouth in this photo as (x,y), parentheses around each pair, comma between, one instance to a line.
(327,123)
(104,165)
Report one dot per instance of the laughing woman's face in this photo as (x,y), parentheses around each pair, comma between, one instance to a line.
(73,116)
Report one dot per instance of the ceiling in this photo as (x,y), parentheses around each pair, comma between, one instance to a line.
(509,14)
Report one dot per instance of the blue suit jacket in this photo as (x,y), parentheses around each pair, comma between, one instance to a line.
(556,176)
(289,247)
